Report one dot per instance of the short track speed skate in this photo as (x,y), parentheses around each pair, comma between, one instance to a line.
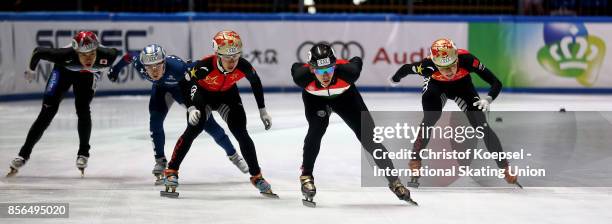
(263,186)
(14,166)
(171,182)
(81,164)
(158,170)
(401,192)
(511,179)
(239,162)
(308,191)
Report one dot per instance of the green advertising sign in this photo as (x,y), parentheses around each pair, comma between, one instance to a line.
(538,54)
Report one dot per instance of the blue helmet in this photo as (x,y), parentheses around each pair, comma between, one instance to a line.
(152,54)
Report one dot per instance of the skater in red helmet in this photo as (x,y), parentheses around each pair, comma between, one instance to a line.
(447,76)
(214,88)
(78,65)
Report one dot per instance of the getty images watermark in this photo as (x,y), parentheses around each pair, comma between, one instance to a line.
(472,149)
(34,210)
(458,134)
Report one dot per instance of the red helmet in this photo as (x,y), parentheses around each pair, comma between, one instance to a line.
(85,41)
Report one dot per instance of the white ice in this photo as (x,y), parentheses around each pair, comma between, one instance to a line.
(118,187)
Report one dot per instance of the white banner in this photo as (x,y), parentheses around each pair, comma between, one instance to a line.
(132,36)
(7,50)
(273,46)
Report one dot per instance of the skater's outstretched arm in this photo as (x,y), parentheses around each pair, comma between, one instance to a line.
(350,71)
(109,53)
(257,89)
(476,66)
(253,78)
(422,68)
(127,59)
(55,55)
(301,75)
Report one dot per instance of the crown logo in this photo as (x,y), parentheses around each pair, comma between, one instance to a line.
(571,52)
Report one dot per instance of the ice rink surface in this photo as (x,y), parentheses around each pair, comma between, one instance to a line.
(118,186)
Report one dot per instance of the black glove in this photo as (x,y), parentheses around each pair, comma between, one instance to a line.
(113,76)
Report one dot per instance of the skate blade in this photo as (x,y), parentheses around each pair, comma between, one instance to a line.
(12,173)
(410,201)
(168,194)
(413,184)
(269,195)
(308,203)
(82,172)
(519,185)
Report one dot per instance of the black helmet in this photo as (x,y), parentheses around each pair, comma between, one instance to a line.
(321,55)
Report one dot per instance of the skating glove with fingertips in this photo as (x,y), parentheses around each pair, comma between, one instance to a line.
(113,75)
(484,103)
(265,118)
(29,75)
(194,115)
(393,82)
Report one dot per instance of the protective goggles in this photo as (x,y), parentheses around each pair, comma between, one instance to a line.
(323,71)
(230,57)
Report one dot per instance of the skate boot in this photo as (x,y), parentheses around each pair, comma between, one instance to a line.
(171,182)
(263,186)
(158,169)
(511,178)
(414,165)
(401,192)
(14,165)
(239,162)
(81,164)
(308,190)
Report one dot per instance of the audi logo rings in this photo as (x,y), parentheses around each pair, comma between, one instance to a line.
(341,49)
